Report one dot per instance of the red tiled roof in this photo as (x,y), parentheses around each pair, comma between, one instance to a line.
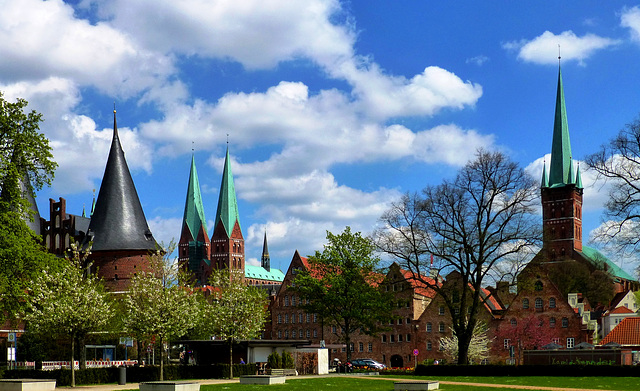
(490,301)
(621,310)
(420,287)
(626,332)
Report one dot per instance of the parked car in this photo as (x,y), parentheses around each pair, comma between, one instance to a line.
(367,363)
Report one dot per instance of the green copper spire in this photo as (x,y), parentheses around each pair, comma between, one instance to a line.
(227,204)
(578,178)
(193,209)
(559,169)
(545,181)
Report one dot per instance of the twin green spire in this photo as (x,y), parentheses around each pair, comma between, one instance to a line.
(561,167)
(227,204)
(193,208)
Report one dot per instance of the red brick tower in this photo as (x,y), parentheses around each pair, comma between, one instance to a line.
(121,239)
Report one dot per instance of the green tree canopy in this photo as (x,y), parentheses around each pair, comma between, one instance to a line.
(341,286)
(237,311)
(67,302)
(26,161)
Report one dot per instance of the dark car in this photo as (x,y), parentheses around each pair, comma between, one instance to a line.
(367,363)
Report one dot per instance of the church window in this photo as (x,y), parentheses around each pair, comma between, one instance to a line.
(58,221)
(525,304)
(552,302)
(538,303)
(57,241)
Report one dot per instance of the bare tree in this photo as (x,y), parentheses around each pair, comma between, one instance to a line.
(618,164)
(468,226)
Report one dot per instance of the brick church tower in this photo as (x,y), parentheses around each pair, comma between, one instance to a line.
(227,242)
(224,249)
(562,191)
(121,239)
(194,246)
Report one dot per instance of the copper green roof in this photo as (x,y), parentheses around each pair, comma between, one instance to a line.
(227,204)
(578,178)
(257,272)
(545,180)
(560,168)
(598,259)
(193,208)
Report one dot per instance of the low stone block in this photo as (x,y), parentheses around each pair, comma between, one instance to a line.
(416,385)
(169,386)
(27,384)
(262,379)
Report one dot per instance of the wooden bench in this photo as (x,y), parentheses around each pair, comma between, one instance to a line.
(282,372)
(27,384)
(169,386)
(416,385)
(262,379)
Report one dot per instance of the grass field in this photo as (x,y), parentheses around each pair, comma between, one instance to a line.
(379,383)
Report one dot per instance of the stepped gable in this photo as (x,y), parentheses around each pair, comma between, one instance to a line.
(118,221)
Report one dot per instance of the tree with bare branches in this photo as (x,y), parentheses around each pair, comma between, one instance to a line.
(470,225)
(617,164)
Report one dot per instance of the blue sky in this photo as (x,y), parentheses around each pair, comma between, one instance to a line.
(332,109)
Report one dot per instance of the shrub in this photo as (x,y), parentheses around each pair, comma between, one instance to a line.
(287,360)
(307,363)
(274,361)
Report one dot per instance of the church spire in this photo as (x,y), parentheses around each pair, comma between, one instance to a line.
(227,212)
(118,221)
(266,260)
(545,181)
(559,169)
(193,208)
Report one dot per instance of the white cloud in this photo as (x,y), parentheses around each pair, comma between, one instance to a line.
(165,229)
(477,60)
(630,18)
(544,48)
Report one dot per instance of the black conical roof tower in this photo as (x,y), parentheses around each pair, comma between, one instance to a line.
(118,222)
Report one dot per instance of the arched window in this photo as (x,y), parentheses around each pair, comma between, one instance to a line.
(552,302)
(552,322)
(565,322)
(538,286)
(525,303)
(538,303)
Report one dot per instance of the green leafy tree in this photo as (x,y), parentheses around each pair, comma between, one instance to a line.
(157,308)
(237,311)
(341,286)
(68,302)
(25,165)
(468,225)
(26,161)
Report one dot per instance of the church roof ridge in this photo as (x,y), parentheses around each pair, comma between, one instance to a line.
(118,221)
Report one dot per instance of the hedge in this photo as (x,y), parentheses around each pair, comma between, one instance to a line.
(134,374)
(528,370)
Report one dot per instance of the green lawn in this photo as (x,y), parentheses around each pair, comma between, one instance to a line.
(329,384)
(600,383)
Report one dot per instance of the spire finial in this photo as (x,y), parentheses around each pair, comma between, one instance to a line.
(227,139)
(559,56)
(114,107)
(192,147)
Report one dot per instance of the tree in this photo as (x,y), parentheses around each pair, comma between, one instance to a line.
(237,311)
(156,307)
(525,334)
(341,286)
(618,164)
(68,302)
(26,161)
(25,165)
(478,347)
(469,226)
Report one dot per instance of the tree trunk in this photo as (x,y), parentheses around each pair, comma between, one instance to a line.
(463,349)
(230,358)
(83,353)
(161,360)
(73,367)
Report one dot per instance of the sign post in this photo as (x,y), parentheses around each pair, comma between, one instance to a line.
(415,358)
